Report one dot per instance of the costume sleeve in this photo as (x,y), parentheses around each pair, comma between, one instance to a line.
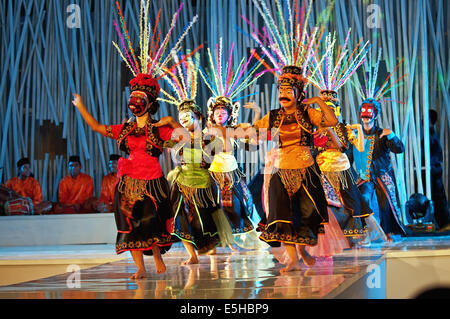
(114,130)
(14,186)
(37,193)
(316,117)
(165,132)
(262,123)
(394,144)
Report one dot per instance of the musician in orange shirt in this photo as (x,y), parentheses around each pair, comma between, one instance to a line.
(76,190)
(24,184)
(108,186)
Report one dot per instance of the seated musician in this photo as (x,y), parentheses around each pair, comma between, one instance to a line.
(109,181)
(24,184)
(75,191)
(26,197)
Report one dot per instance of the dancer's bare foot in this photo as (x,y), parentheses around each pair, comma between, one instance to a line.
(192,260)
(138,258)
(291,266)
(141,273)
(292,259)
(160,266)
(159,263)
(211,252)
(309,261)
(307,258)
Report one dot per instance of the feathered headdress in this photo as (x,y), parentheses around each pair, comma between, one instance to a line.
(286,42)
(183,82)
(226,83)
(369,92)
(150,65)
(332,72)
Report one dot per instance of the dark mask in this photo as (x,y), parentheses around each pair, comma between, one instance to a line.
(138,104)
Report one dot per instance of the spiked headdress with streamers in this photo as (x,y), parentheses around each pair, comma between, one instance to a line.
(225,83)
(150,65)
(369,92)
(183,82)
(332,72)
(286,42)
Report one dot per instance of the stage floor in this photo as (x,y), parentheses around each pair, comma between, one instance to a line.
(227,275)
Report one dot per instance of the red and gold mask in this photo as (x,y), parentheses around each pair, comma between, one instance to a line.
(368,111)
(138,103)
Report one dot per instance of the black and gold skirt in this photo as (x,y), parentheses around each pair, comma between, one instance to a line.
(297,207)
(144,216)
(193,221)
(351,217)
(235,200)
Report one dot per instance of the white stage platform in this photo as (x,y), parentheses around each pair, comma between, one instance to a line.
(403,269)
(70,229)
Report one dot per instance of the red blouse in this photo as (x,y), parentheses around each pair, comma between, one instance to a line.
(139,164)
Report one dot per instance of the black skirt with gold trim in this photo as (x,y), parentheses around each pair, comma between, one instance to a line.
(235,200)
(193,220)
(351,217)
(296,215)
(145,220)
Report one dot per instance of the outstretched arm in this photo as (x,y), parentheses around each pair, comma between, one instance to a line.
(256,109)
(328,117)
(392,142)
(168,120)
(90,120)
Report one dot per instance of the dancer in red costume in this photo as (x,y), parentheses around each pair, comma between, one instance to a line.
(143,211)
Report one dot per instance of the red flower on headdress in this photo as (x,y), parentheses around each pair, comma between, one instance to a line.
(145,83)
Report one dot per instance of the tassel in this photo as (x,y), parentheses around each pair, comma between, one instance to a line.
(135,189)
(292,179)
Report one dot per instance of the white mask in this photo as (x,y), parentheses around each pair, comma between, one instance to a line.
(186,118)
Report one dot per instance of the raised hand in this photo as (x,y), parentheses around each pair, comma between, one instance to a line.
(244,125)
(385,132)
(252,106)
(256,109)
(77,101)
(90,120)
(312,100)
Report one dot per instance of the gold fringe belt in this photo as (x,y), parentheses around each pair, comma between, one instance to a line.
(293,179)
(135,189)
(197,195)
